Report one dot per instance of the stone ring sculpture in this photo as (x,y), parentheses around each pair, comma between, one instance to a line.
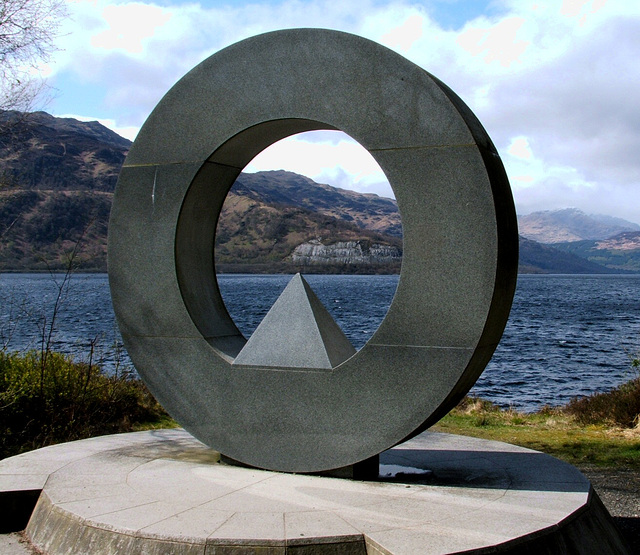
(458,271)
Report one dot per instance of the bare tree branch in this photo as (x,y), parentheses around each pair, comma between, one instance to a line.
(28,29)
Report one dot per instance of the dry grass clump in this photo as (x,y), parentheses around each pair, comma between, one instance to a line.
(474,405)
(619,407)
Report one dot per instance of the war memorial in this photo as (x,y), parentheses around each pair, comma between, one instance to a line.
(286,435)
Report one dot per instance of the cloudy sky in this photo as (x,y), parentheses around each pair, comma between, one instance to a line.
(555,83)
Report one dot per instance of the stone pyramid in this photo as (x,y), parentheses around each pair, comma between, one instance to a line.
(298,332)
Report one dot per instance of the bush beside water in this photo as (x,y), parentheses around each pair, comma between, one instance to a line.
(47,398)
(619,407)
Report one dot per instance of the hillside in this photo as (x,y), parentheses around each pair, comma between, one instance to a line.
(284,188)
(258,236)
(571,224)
(620,252)
(610,242)
(59,154)
(57,177)
(536,258)
(39,230)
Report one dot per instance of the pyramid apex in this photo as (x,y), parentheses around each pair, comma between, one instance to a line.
(298,332)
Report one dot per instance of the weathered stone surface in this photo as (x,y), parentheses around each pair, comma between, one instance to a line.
(452,300)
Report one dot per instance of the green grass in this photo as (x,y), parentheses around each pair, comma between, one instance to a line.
(561,432)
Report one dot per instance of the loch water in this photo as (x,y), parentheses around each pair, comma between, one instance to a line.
(567,335)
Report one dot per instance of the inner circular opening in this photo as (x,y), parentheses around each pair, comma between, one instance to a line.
(315,203)
(277,230)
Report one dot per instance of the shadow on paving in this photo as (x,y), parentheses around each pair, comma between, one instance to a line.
(524,471)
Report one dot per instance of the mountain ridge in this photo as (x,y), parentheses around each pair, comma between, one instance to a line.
(48,153)
(570,224)
(58,177)
(280,187)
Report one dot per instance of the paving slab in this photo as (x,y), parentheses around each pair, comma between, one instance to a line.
(14,544)
(165,492)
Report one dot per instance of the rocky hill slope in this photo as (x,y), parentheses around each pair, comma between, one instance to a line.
(258,235)
(59,154)
(367,211)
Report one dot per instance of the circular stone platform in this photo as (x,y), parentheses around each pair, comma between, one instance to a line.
(165,492)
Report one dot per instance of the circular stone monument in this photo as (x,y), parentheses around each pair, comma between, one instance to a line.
(460,250)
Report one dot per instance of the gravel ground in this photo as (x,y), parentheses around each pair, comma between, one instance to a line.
(619,490)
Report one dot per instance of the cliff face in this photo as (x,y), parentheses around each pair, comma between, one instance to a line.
(345,252)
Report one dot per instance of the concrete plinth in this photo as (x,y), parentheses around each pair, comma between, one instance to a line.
(165,492)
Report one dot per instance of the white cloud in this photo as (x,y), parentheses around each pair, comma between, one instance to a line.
(552,81)
(330,157)
(581,8)
(499,43)
(404,36)
(520,148)
(583,108)
(129,26)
